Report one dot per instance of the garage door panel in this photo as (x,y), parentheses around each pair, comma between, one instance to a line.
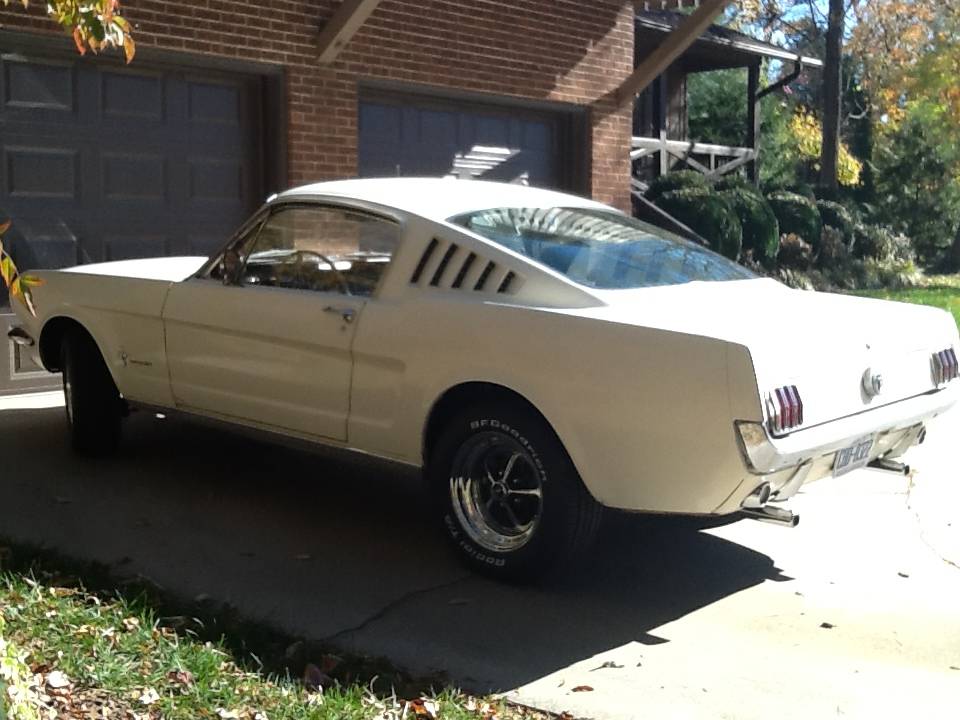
(100,162)
(128,96)
(36,85)
(134,177)
(401,135)
(216,180)
(139,245)
(41,172)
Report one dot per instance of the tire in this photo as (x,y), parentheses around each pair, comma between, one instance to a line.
(511,501)
(93,404)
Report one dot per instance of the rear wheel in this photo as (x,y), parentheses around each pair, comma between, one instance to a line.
(93,403)
(512,502)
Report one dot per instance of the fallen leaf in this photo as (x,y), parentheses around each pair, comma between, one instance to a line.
(180,677)
(57,680)
(582,688)
(827,626)
(149,697)
(131,623)
(608,665)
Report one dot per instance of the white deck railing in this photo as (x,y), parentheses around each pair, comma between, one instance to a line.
(715,160)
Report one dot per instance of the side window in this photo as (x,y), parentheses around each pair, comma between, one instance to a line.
(323,249)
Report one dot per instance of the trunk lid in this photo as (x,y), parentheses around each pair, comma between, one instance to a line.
(823,343)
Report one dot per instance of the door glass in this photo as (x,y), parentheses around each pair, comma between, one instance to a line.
(322,249)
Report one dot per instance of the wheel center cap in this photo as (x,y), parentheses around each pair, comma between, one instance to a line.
(499,489)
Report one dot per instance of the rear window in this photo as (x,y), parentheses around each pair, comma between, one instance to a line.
(601,248)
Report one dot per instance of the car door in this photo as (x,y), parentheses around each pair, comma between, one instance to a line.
(265,335)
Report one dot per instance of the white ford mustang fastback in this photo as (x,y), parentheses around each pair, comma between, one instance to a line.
(542,356)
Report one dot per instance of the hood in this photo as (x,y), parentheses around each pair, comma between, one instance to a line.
(823,343)
(171,269)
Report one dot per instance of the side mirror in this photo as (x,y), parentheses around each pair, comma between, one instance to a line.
(230,266)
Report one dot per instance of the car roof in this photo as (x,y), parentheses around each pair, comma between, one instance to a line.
(440,198)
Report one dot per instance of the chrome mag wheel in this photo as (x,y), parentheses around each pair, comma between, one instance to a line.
(496,491)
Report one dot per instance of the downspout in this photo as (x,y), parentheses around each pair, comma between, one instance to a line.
(784,81)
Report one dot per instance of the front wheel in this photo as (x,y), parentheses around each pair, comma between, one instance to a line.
(512,502)
(93,403)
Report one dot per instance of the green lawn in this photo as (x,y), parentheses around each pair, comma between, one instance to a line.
(69,653)
(942,291)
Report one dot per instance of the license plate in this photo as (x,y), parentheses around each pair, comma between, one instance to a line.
(853,457)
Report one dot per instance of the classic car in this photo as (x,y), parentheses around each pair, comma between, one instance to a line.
(541,356)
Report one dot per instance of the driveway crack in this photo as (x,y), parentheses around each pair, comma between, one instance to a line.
(919,521)
(393,605)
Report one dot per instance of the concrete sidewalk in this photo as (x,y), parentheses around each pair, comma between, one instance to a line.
(851,614)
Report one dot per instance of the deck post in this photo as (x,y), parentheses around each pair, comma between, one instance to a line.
(753,121)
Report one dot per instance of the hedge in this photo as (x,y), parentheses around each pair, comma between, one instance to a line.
(677,180)
(736,182)
(798,215)
(709,214)
(837,216)
(761,229)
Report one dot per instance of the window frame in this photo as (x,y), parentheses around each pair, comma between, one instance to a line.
(263,215)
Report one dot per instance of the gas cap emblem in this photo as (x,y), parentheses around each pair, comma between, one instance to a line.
(872,382)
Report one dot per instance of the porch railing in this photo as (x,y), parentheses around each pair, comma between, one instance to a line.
(713,161)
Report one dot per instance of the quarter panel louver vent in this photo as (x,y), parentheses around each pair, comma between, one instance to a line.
(424,259)
(484,276)
(442,267)
(507,282)
(464,269)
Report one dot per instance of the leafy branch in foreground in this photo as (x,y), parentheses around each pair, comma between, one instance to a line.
(93,24)
(18,285)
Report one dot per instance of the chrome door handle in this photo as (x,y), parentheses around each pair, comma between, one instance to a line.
(347,314)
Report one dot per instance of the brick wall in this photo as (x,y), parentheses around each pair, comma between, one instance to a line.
(560,50)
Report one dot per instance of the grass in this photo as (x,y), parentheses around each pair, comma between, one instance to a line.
(942,291)
(73,653)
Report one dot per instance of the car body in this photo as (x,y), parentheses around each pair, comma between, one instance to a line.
(696,389)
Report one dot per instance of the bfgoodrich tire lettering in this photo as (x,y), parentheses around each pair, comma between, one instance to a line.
(511,500)
(93,404)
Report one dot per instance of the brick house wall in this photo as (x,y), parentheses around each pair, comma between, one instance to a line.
(555,50)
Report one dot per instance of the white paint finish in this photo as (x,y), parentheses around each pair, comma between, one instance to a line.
(172,269)
(642,386)
(262,354)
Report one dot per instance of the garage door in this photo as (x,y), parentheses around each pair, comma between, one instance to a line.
(103,162)
(416,136)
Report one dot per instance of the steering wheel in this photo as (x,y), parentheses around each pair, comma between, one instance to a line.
(341,280)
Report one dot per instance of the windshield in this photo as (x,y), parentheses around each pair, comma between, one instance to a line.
(601,248)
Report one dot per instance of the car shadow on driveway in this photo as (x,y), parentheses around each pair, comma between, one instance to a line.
(342,550)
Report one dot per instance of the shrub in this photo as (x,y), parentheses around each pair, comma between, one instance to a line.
(761,231)
(677,180)
(709,214)
(794,252)
(735,182)
(879,242)
(834,253)
(835,215)
(797,215)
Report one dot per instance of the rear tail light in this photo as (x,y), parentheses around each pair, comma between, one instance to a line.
(945,366)
(784,409)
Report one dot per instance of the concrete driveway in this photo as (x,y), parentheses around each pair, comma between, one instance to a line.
(852,614)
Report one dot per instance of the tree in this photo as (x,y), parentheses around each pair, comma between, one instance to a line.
(831,95)
(93,24)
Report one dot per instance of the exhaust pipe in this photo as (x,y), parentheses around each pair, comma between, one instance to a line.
(893,466)
(774,515)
